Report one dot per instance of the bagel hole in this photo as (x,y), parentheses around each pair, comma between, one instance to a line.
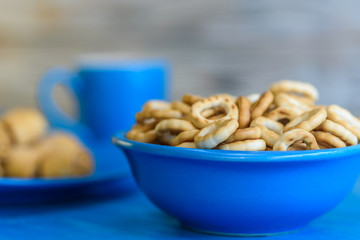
(271,107)
(213,113)
(298,146)
(217,116)
(284,121)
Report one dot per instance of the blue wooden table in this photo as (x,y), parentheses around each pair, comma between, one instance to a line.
(120,211)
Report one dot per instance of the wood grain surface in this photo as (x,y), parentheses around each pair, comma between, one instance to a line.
(231,46)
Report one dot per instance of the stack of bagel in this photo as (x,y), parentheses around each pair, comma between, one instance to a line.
(28,150)
(285,117)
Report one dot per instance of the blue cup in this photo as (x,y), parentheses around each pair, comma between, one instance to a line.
(109,92)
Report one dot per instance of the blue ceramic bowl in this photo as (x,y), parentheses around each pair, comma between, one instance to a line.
(242,193)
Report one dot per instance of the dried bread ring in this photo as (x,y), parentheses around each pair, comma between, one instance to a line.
(215,133)
(217,116)
(180,106)
(268,135)
(270,129)
(261,105)
(143,127)
(199,121)
(308,120)
(156,104)
(268,123)
(142,133)
(294,135)
(324,146)
(345,118)
(190,99)
(297,146)
(328,139)
(339,131)
(210,112)
(281,113)
(184,136)
(290,86)
(244,134)
(253,97)
(245,145)
(293,101)
(173,125)
(214,113)
(225,95)
(167,129)
(187,145)
(244,106)
(157,114)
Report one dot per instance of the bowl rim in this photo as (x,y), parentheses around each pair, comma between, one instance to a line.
(120,140)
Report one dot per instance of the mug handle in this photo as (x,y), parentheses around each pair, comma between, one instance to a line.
(56,116)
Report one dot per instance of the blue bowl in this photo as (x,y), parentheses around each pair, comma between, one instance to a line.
(242,193)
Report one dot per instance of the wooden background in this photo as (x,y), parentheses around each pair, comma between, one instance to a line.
(233,46)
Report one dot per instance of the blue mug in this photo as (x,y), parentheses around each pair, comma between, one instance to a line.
(109,93)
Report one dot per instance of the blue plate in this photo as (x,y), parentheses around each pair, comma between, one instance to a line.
(111,177)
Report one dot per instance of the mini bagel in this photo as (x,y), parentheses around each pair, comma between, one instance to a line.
(297,146)
(253,97)
(187,145)
(292,101)
(156,104)
(270,129)
(281,113)
(215,133)
(174,126)
(261,105)
(308,120)
(217,116)
(345,118)
(324,146)
(245,145)
(290,86)
(199,121)
(339,131)
(294,135)
(190,99)
(167,129)
(180,106)
(142,133)
(185,136)
(244,134)
(244,106)
(210,112)
(225,95)
(158,114)
(328,139)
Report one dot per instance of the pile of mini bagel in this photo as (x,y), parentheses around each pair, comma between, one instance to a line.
(28,150)
(284,118)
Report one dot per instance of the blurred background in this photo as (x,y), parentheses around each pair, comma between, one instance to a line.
(229,46)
